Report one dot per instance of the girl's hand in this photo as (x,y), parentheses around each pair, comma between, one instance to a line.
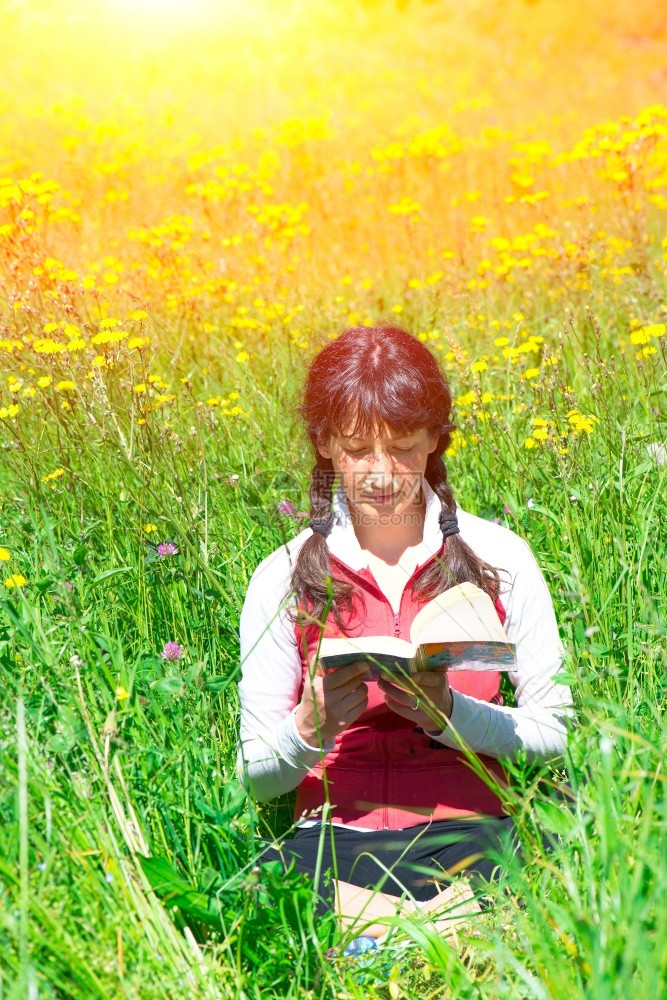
(330,702)
(425,698)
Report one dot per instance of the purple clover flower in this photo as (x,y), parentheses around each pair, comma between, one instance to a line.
(287,507)
(167,549)
(172,651)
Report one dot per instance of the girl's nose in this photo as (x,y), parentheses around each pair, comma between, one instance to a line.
(381,470)
(381,460)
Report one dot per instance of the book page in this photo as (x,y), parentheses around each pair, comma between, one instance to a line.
(462,613)
(388,653)
(344,645)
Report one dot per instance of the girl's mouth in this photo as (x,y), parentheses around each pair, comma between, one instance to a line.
(381,497)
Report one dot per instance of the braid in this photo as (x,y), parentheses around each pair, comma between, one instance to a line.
(459,562)
(321,484)
(311,569)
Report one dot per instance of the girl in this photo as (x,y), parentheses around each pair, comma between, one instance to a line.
(387,794)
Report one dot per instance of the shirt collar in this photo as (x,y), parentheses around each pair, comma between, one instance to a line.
(343,543)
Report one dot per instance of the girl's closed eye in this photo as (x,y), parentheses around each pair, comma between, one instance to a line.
(360,451)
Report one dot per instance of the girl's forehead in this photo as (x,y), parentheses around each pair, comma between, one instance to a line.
(360,429)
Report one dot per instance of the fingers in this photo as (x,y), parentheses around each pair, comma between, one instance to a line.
(398,695)
(355,699)
(429,689)
(420,683)
(429,678)
(348,674)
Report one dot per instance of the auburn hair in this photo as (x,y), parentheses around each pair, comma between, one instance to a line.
(377,376)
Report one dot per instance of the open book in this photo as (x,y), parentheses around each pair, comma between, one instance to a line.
(459,629)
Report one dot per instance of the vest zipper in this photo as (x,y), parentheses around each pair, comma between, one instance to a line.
(385,782)
(385,785)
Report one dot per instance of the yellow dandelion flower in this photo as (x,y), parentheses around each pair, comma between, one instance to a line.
(501,341)
(9,411)
(5,554)
(121,693)
(56,474)
(44,381)
(150,527)
(99,361)
(65,385)
(242,357)
(139,388)
(15,580)
(479,223)
(646,333)
(479,366)
(529,443)
(540,434)
(540,422)
(531,373)
(466,400)
(581,423)
(44,345)
(139,314)
(522,180)
(406,206)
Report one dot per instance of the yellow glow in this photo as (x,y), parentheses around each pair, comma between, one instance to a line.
(194,12)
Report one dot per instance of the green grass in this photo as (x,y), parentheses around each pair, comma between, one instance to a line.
(90,783)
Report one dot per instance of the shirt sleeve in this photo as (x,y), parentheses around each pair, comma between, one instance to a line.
(544,709)
(271,752)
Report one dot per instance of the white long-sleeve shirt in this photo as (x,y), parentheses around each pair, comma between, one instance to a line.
(271,750)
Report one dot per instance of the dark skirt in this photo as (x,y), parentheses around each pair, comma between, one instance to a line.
(421,859)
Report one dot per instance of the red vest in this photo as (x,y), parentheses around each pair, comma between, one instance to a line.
(385,773)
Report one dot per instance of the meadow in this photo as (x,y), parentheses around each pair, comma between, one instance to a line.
(193,198)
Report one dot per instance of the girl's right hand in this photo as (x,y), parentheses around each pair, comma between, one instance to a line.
(331,702)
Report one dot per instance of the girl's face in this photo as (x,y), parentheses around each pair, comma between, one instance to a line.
(381,474)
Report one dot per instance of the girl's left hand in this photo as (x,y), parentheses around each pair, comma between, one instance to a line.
(425,698)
